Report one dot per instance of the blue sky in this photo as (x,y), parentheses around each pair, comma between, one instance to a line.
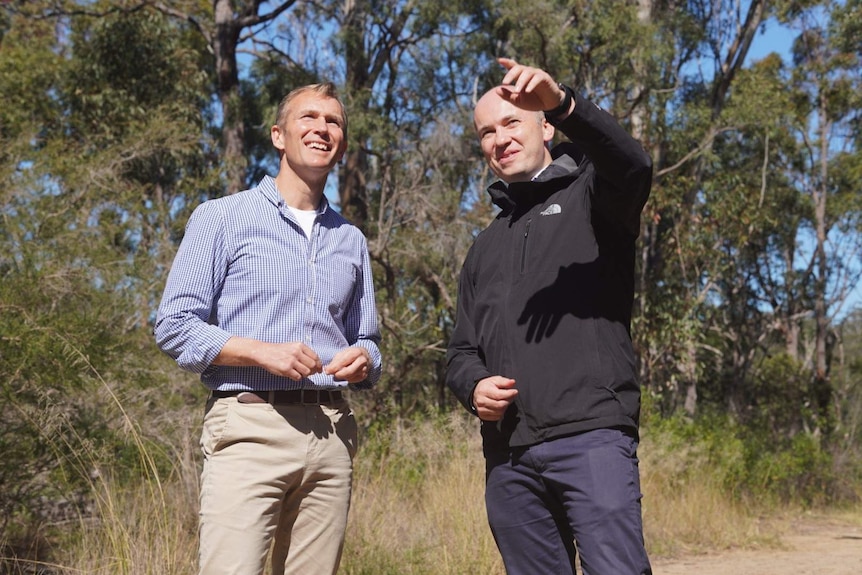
(774,38)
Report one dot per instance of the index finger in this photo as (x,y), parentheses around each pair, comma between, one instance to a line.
(346,357)
(507,63)
(308,356)
(514,76)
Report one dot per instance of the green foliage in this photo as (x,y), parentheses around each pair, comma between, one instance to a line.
(779,402)
(99,154)
(57,337)
(28,69)
(602,47)
(796,471)
(109,137)
(751,465)
(709,443)
(389,446)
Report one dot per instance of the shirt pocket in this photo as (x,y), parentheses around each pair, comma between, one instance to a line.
(339,281)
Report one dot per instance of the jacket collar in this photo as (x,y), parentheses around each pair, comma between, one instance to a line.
(566,161)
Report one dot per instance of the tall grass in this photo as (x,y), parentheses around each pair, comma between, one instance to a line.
(143,523)
(687,505)
(417,508)
(419,504)
(148,527)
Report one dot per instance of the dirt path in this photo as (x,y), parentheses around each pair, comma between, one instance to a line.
(810,546)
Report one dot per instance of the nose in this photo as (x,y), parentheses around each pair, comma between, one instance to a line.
(319,125)
(501,137)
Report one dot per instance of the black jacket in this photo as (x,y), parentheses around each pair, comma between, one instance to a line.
(546,291)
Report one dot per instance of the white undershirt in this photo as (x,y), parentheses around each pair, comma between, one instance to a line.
(305,219)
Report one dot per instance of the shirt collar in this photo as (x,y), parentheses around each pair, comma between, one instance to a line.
(269,190)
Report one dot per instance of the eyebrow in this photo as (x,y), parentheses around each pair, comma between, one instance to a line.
(300,112)
(504,120)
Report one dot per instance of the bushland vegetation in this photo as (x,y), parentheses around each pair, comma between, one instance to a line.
(118,118)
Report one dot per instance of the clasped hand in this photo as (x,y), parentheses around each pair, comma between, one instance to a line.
(296,361)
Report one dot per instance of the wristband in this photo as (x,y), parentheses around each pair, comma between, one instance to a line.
(563,108)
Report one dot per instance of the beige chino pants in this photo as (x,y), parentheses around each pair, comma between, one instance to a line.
(275,477)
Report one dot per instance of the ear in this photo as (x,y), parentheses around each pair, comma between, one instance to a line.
(342,151)
(547,132)
(275,135)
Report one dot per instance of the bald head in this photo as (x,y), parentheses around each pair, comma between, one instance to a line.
(514,141)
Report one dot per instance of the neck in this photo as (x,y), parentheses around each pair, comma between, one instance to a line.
(299,193)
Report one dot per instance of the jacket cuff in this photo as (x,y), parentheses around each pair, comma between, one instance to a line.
(561,112)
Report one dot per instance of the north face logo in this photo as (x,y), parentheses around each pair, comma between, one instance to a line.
(551,210)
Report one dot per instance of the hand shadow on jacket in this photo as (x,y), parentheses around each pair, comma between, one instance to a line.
(574,291)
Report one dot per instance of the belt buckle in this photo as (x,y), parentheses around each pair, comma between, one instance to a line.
(313,393)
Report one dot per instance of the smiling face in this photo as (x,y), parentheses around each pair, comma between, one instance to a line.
(311,133)
(514,141)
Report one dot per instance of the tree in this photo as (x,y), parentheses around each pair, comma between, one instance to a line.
(225,29)
(824,169)
(100,151)
(680,258)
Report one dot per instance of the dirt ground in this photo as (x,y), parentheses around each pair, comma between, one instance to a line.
(809,546)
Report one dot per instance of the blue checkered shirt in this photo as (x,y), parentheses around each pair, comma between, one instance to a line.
(245,268)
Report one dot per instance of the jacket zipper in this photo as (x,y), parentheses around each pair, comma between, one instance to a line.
(524,248)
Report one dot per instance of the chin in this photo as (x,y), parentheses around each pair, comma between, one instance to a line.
(514,178)
(506,174)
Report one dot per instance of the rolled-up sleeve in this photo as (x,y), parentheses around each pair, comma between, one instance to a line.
(361,322)
(185,328)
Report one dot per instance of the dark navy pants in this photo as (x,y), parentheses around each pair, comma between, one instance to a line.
(577,492)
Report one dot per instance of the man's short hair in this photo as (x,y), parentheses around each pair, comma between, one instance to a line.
(324,89)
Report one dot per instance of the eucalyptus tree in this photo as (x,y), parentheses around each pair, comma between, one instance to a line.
(759,254)
(409,70)
(101,148)
(225,26)
(711,44)
(748,210)
(823,168)
(785,185)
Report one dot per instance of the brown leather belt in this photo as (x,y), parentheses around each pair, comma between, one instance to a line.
(282,397)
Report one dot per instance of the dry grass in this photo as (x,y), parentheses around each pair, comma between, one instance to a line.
(149,528)
(686,506)
(418,509)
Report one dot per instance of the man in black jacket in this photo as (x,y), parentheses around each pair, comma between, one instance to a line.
(541,350)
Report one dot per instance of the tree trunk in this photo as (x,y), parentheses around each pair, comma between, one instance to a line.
(822,385)
(224,45)
(352,183)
